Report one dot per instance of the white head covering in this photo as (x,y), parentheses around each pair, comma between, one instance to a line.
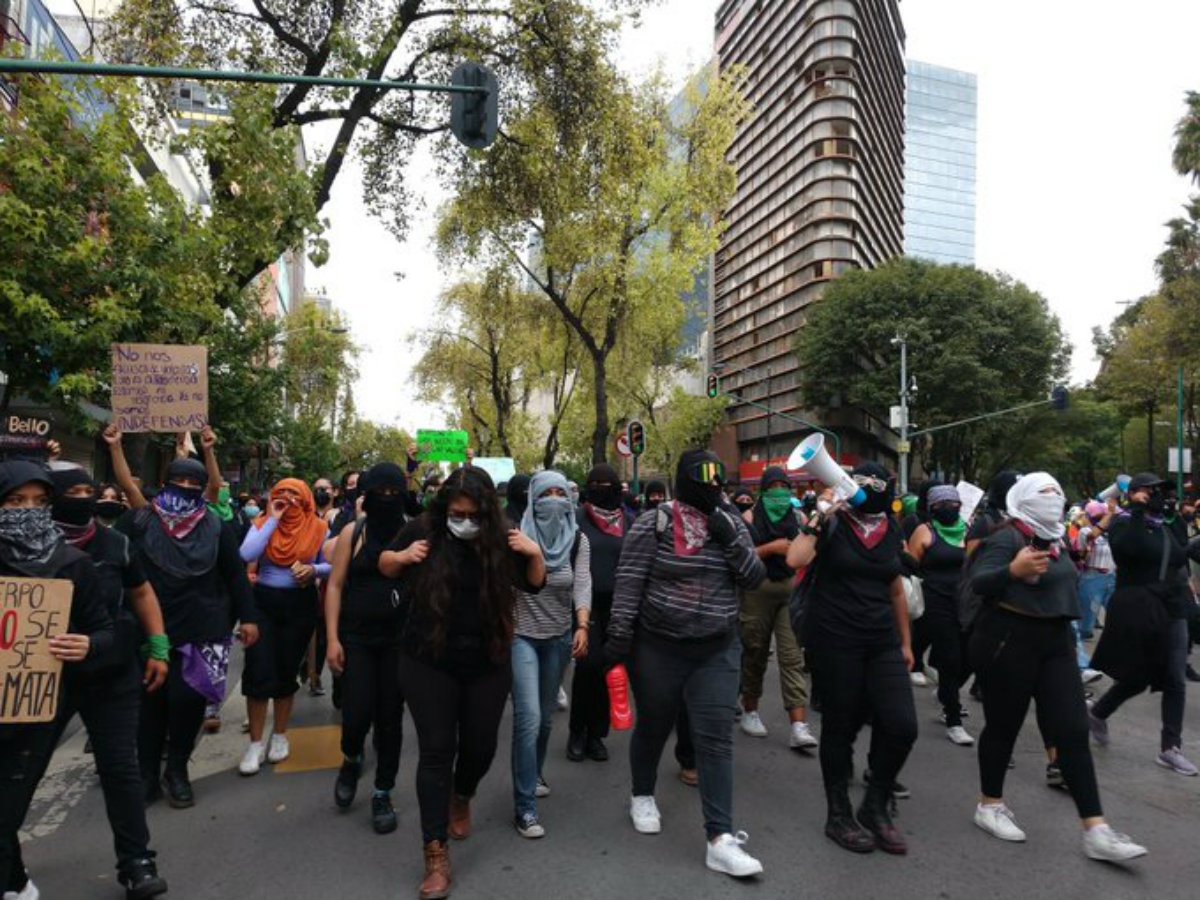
(1041,512)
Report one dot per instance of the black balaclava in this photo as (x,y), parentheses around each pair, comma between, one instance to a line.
(704,497)
(188,468)
(999,487)
(655,487)
(72,510)
(609,496)
(877,501)
(518,496)
(387,512)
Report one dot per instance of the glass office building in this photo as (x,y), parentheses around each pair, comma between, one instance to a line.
(939,170)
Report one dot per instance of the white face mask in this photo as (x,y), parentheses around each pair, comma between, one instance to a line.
(1043,512)
(465,530)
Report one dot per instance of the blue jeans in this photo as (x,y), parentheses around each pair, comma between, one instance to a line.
(1095,589)
(537,665)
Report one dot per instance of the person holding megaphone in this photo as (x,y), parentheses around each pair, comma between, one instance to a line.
(855,631)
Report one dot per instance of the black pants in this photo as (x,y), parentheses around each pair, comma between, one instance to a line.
(860,685)
(921,642)
(458,720)
(589,692)
(1020,658)
(287,619)
(948,656)
(371,698)
(1174,688)
(666,676)
(685,746)
(109,706)
(174,711)
(25,751)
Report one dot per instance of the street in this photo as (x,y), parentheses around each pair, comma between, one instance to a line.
(278,835)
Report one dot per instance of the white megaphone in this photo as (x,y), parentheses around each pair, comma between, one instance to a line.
(1114,490)
(811,456)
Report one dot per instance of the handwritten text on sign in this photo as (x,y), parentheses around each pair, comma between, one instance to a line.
(159,387)
(442,446)
(32,610)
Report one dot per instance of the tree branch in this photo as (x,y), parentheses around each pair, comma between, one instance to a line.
(284,36)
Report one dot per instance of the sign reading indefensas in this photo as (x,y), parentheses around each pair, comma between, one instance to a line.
(159,387)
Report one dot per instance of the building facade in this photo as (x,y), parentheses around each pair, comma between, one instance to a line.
(939,166)
(820,191)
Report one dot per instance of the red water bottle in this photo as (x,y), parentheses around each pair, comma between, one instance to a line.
(620,716)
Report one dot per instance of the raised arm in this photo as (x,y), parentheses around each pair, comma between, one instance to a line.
(112,436)
(208,448)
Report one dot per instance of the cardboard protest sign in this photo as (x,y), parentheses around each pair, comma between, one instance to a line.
(159,387)
(442,446)
(32,610)
(970,495)
(500,468)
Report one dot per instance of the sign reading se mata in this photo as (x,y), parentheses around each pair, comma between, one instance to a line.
(159,387)
(32,610)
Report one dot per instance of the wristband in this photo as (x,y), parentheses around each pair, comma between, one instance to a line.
(157,646)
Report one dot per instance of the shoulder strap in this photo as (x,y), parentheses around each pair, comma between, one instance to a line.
(575,546)
(1166,555)
(359,526)
(663,515)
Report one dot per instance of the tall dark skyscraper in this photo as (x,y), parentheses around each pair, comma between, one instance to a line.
(820,191)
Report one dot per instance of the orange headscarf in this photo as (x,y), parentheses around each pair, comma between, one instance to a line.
(300,533)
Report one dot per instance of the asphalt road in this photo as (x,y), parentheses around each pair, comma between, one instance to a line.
(278,836)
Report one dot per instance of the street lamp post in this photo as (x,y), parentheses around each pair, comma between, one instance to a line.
(905,390)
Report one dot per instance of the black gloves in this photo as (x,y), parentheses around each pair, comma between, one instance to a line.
(722,528)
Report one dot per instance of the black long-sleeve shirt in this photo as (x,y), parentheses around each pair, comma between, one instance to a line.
(1054,594)
(1138,549)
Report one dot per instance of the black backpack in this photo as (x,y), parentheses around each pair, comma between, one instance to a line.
(969,603)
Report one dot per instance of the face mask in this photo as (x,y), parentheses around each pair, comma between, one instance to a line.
(877,502)
(350,496)
(778,503)
(383,506)
(250,510)
(464,530)
(547,509)
(744,505)
(110,510)
(605,496)
(74,510)
(1156,504)
(946,515)
(321,497)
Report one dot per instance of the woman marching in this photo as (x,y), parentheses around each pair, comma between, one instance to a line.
(1023,647)
(31,547)
(551,627)
(938,547)
(286,543)
(458,565)
(856,633)
(364,618)
(192,563)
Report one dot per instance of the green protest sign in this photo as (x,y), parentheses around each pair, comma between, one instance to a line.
(442,446)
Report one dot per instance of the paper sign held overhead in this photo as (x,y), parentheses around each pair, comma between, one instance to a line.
(970,495)
(442,446)
(32,610)
(500,468)
(159,387)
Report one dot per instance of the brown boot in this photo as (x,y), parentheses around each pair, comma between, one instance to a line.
(460,817)
(436,883)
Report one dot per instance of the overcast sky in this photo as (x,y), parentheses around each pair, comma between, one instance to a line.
(1076,112)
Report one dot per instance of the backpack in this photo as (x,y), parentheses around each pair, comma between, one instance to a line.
(969,603)
(800,602)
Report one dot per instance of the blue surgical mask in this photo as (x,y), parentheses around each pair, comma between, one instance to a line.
(250,510)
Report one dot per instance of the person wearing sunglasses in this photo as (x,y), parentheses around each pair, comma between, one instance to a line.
(938,548)
(675,614)
(857,640)
(458,566)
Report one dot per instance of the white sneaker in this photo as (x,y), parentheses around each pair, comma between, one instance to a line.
(802,737)
(1090,675)
(279,749)
(644,812)
(958,735)
(725,854)
(29,892)
(563,703)
(752,724)
(253,758)
(918,679)
(998,821)
(1101,842)
(542,789)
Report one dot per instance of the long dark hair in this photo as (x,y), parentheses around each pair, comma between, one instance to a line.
(489,551)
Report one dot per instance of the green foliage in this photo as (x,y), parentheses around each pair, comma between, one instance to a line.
(977,343)
(362,444)
(318,362)
(310,451)
(685,421)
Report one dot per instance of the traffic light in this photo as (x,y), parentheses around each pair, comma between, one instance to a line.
(474,117)
(713,387)
(637,438)
(1060,398)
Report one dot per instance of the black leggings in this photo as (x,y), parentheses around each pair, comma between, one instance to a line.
(1021,658)
(25,751)
(172,715)
(948,656)
(857,686)
(371,697)
(458,720)
(589,692)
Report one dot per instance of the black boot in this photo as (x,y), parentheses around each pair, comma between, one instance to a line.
(576,746)
(596,750)
(179,789)
(383,814)
(141,880)
(875,814)
(346,785)
(840,825)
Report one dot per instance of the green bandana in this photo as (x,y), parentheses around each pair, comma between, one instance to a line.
(223,508)
(954,535)
(777,502)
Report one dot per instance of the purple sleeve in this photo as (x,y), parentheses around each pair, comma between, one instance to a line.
(257,538)
(320,566)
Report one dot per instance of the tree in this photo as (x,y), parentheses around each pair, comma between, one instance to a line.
(605,199)
(363,443)
(318,362)
(1186,156)
(978,343)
